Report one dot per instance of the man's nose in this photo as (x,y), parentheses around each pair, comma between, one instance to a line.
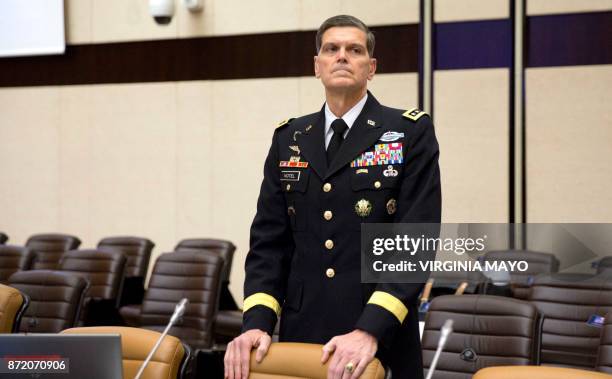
(342,54)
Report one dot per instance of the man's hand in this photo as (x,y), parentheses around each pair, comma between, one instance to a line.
(357,347)
(238,353)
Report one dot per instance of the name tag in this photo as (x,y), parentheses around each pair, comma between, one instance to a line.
(292,176)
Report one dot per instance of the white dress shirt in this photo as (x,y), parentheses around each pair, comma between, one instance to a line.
(349,117)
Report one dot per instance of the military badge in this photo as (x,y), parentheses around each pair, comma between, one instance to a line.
(293,164)
(295,134)
(383,154)
(371,123)
(308,128)
(295,148)
(391,136)
(391,206)
(294,159)
(363,208)
(361,171)
(390,172)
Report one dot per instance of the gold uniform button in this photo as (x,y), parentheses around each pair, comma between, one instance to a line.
(327,187)
(328,215)
(329,244)
(377,184)
(288,187)
(330,272)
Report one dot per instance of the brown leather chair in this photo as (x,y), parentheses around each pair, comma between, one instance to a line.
(171,360)
(288,360)
(105,271)
(56,299)
(228,322)
(194,275)
(48,249)
(13,259)
(567,301)
(521,281)
(13,304)
(137,250)
(487,331)
(537,372)
(3,238)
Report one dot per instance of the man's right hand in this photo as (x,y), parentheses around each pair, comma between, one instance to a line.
(238,353)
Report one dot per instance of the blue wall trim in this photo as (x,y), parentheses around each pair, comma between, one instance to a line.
(473,44)
(551,40)
(569,39)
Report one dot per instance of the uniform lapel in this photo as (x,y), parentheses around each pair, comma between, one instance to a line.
(312,144)
(366,130)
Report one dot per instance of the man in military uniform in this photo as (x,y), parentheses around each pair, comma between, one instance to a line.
(355,161)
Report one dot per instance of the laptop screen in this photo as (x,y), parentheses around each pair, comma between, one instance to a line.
(61,356)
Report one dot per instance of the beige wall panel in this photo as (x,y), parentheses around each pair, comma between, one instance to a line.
(255,16)
(133,164)
(78,14)
(568,144)
(385,12)
(245,115)
(127,20)
(194,24)
(29,159)
(195,160)
(313,13)
(75,163)
(471,118)
(462,10)
(535,7)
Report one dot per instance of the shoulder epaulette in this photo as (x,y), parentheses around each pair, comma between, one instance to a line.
(414,114)
(284,123)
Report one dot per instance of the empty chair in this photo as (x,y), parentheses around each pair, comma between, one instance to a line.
(56,299)
(105,271)
(3,238)
(604,355)
(13,259)
(194,275)
(290,360)
(13,304)
(138,253)
(537,372)
(570,304)
(48,249)
(487,331)
(538,264)
(171,360)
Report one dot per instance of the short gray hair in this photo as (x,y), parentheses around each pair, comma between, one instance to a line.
(346,20)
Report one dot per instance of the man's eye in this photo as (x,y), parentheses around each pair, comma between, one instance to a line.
(357,50)
(330,48)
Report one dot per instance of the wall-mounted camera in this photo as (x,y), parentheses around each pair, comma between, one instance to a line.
(163,10)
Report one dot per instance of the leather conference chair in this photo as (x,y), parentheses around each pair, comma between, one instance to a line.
(105,271)
(3,238)
(288,360)
(184,274)
(539,264)
(537,372)
(171,360)
(487,331)
(137,250)
(49,248)
(567,302)
(56,299)
(604,355)
(13,304)
(13,259)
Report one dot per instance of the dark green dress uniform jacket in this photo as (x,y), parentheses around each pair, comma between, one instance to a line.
(304,258)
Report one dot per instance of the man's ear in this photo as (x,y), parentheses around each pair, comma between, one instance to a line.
(372,68)
(316,67)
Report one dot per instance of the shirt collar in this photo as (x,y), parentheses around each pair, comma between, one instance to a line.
(349,117)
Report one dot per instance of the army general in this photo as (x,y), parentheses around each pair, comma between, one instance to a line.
(355,161)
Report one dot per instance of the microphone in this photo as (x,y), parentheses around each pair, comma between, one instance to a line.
(446,331)
(179,310)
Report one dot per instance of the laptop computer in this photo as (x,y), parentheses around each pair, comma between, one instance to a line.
(61,356)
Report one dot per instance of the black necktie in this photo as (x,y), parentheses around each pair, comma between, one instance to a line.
(339,127)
